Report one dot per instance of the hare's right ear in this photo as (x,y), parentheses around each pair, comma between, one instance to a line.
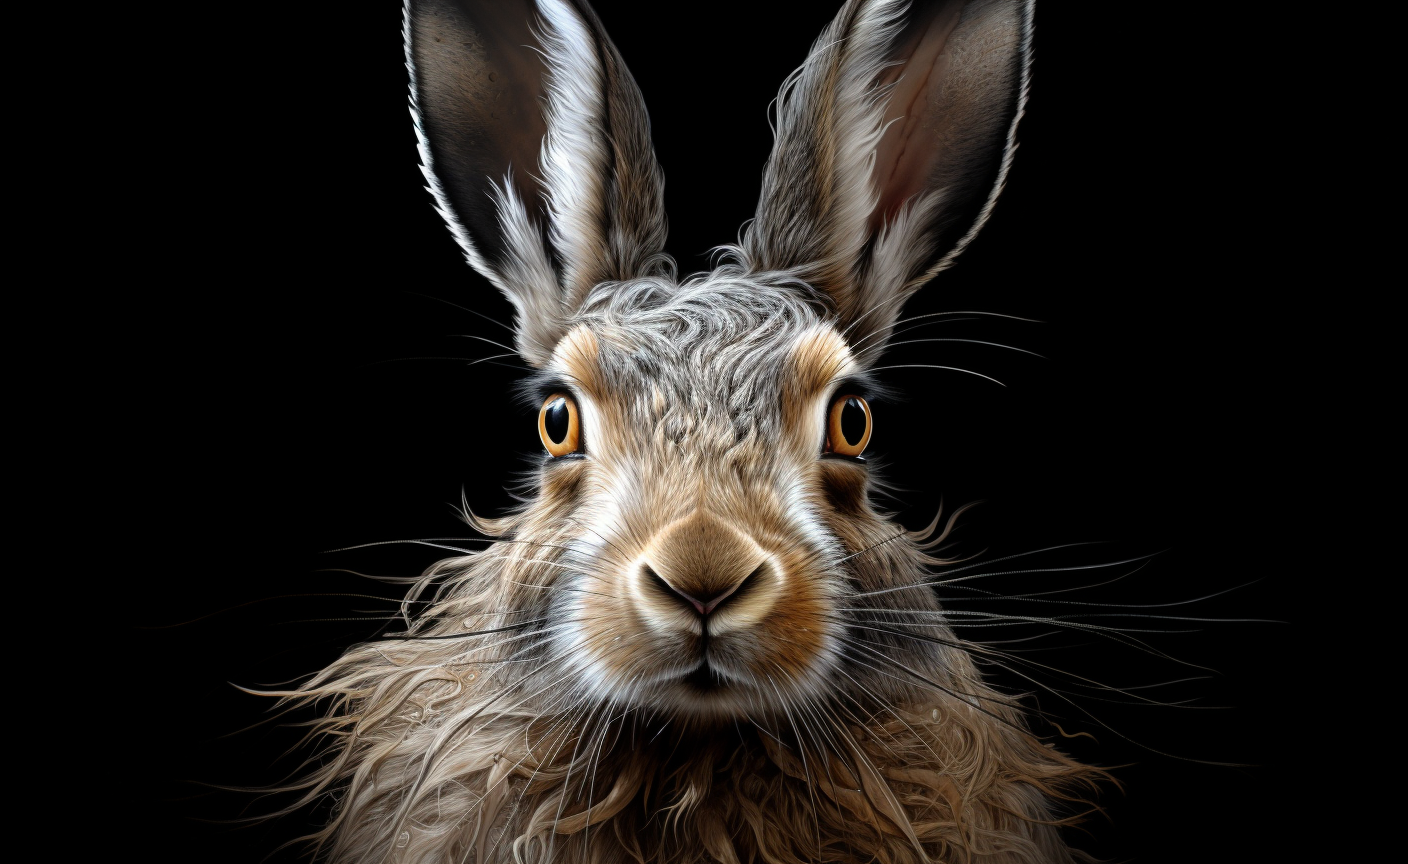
(893,140)
(536,144)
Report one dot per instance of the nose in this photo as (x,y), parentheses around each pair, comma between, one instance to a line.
(700,563)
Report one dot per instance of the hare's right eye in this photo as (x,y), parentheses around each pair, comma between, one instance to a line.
(559,425)
(848,426)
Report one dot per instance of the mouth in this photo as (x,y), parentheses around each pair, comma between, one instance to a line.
(704,679)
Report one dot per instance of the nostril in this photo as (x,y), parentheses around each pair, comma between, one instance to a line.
(672,592)
(730,593)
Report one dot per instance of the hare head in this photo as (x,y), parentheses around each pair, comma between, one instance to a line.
(701,556)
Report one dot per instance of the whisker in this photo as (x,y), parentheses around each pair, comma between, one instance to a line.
(462,309)
(1030,598)
(971,699)
(402,637)
(989,654)
(509,348)
(429,543)
(890,539)
(258,601)
(472,361)
(943,579)
(971,341)
(906,323)
(935,366)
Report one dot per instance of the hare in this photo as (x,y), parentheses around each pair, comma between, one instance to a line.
(698,640)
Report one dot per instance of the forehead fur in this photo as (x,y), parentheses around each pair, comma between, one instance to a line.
(724,314)
(724,340)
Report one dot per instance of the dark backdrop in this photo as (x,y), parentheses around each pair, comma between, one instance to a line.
(292,379)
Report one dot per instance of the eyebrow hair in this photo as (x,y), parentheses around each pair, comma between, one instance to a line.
(861,384)
(532,391)
(550,384)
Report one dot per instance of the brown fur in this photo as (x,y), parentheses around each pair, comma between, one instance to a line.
(541,743)
(565,694)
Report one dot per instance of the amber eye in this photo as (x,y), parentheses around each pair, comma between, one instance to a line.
(559,426)
(848,426)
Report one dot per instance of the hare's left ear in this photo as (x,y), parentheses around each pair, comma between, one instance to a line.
(893,141)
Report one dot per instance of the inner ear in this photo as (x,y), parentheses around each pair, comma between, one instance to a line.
(478,75)
(953,94)
(536,145)
(906,154)
(892,141)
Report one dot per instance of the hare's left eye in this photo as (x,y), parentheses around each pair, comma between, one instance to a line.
(848,426)
(559,425)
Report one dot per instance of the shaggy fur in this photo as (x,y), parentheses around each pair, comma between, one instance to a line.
(554,700)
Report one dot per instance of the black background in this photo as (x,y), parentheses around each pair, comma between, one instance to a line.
(273,400)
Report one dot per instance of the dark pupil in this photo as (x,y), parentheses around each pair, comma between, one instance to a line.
(555,420)
(853,421)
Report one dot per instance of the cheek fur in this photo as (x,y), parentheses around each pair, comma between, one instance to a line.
(562,485)
(844,486)
(612,638)
(794,638)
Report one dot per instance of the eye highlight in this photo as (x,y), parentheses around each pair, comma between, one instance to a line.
(559,425)
(848,426)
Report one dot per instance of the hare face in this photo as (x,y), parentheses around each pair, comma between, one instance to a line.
(691,555)
(704,569)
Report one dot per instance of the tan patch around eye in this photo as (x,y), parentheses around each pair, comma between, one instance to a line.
(576,356)
(819,357)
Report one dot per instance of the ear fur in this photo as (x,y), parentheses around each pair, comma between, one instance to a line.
(893,141)
(536,145)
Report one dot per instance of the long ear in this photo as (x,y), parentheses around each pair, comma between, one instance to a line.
(892,143)
(536,144)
